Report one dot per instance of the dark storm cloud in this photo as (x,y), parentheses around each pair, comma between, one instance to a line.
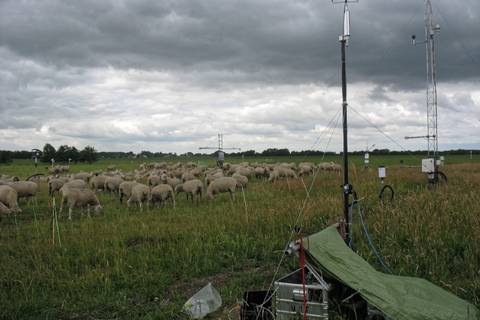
(270,41)
(168,75)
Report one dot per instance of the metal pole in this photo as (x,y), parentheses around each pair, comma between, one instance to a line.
(346,185)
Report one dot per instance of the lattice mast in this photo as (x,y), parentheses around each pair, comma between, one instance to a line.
(431,86)
(432,115)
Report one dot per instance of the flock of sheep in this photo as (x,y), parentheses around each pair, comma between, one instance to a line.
(150,184)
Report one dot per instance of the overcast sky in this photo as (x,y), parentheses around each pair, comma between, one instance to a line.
(167,75)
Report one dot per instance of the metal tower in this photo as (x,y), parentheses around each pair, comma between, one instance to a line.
(220,150)
(431,91)
(432,115)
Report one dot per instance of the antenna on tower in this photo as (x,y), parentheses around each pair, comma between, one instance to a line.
(220,150)
(430,165)
(347,188)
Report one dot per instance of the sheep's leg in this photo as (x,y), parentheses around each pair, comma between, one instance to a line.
(61,205)
(88,210)
(70,213)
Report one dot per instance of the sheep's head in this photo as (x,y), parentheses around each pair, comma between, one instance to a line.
(179,188)
(98,209)
(163,177)
(210,195)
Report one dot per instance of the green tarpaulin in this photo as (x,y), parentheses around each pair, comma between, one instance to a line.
(399,298)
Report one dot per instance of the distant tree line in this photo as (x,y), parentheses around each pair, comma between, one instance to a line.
(89,154)
(63,154)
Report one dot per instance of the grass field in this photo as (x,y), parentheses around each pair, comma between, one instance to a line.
(131,265)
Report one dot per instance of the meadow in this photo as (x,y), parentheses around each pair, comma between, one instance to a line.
(128,264)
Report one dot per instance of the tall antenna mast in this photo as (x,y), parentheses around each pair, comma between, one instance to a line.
(347,188)
(432,116)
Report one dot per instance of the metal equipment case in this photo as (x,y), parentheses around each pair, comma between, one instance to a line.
(289,296)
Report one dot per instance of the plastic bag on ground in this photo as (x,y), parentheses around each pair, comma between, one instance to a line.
(205,301)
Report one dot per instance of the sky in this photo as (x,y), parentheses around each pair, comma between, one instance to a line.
(169,75)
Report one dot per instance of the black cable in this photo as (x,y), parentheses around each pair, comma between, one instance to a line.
(382,193)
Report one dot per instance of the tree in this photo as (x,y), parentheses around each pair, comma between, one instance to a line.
(49,152)
(88,154)
(61,154)
(64,153)
(5,156)
(276,152)
(74,154)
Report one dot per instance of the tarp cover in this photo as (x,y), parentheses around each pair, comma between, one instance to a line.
(399,298)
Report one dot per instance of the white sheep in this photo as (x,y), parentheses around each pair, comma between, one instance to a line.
(128,176)
(261,172)
(273,175)
(242,181)
(172,182)
(225,184)
(25,189)
(154,180)
(305,168)
(213,176)
(192,188)
(140,194)
(245,171)
(79,198)
(186,176)
(113,183)
(54,185)
(335,167)
(281,172)
(161,193)
(9,197)
(4,209)
(125,189)
(76,183)
(83,176)
(97,182)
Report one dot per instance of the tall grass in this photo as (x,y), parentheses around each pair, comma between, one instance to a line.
(126,264)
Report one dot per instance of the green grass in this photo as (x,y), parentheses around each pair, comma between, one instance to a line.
(131,265)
